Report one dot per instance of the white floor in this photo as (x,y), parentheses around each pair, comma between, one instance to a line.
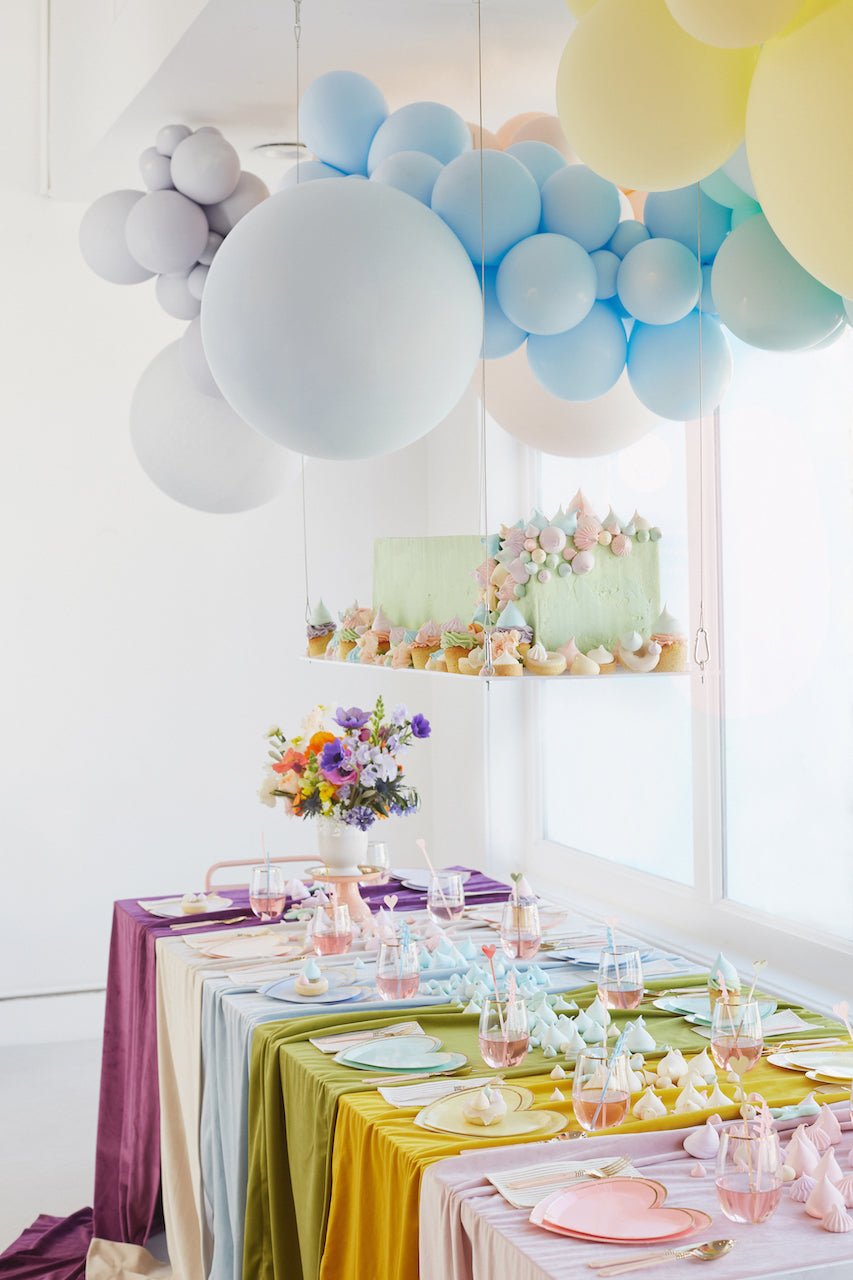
(48,1123)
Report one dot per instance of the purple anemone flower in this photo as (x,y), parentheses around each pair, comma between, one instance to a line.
(353,718)
(420,726)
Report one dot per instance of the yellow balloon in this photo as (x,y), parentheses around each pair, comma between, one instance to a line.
(811,9)
(577,8)
(645,104)
(798,141)
(733,24)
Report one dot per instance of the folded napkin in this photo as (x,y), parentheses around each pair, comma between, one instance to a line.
(350,1039)
(420,1095)
(775,1024)
(541,1180)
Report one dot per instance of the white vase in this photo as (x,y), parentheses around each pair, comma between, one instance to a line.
(342,848)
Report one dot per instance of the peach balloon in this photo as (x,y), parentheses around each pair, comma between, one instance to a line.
(645,104)
(489,139)
(546,129)
(511,126)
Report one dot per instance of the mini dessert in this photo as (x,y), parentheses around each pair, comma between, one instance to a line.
(426,642)
(669,634)
(605,659)
(569,651)
(381,628)
(400,652)
(511,619)
(193,903)
(354,623)
(583,666)
(505,660)
(540,662)
(485,1108)
(310,981)
(321,628)
(642,658)
(724,967)
(456,642)
(471,664)
(435,662)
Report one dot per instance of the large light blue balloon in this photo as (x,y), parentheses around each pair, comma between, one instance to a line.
(338,117)
(501,336)
(583,363)
(718,186)
(664,368)
(578,203)
(510,206)
(659,281)
(307,171)
(626,235)
(342,319)
(421,126)
(411,171)
(546,284)
(539,157)
(765,297)
(685,214)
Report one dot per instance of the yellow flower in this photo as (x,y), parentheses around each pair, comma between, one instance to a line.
(327,791)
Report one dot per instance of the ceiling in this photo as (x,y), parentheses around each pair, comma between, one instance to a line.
(120,69)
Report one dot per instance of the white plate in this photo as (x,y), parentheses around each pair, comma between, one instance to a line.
(285,989)
(398,1053)
(247,947)
(169,908)
(823,1062)
(698,1008)
(418,878)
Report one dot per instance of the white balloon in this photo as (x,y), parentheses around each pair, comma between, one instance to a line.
(102,239)
(174,296)
(196,280)
(205,167)
(196,449)
(568,428)
(155,169)
(214,240)
(169,137)
(166,232)
(195,361)
(248,193)
(342,318)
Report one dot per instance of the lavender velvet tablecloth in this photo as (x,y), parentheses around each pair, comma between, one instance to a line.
(127,1159)
(469,1232)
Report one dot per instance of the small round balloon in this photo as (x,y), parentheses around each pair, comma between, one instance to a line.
(196,450)
(539,158)
(570,429)
(583,363)
(411,171)
(169,136)
(669,109)
(546,284)
(665,371)
(659,281)
(156,170)
(248,193)
(338,116)
(626,235)
(765,297)
(205,167)
(342,318)
(688,214)
(501,335)
(166,232)
(421,126)
(606,265)
(508,211)
(176,299)
(102,239)
(578,203)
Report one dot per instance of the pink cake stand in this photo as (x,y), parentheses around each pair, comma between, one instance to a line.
(347,887)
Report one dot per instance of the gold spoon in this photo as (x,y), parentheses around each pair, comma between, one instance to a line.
(703,1252)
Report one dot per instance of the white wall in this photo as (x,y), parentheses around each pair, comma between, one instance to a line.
(147,647)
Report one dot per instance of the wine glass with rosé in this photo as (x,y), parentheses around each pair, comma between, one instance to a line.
(521,932)
(736,1035)
(331,929)
(445,897)
(398,972)
(601,1088)
(749,1173)
(267,896)
(504,1035)
(620,978)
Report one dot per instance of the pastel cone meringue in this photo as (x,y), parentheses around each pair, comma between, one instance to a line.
(824,1197)
(845,1187)
(702,1064)
(819,1138)
(717,1098)
(673,1065)
(837,1220)
(703,1143)
(558,1073)
(802,1188)
(698,1171)
(827,1167)
(648,1106)
(557,1096)
(690,1100)
(639,1039)
(800,1153)
(827,1122)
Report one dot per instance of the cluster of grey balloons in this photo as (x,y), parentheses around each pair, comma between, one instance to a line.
(190,443)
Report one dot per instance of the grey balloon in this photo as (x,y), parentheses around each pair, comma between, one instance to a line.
(174,296)
(249,191)
(169,137)
(196,279)
(214,240)
(102,239)
(195,361)
(166,232)
(205,167)
(155,169)
(196,449)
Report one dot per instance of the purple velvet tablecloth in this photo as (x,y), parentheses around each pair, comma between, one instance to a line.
(127,1157)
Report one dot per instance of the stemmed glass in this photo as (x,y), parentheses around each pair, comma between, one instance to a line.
(620,978)
(445,897)
(601,1088)
(267,897)
(736,1036)
(378,856)
(749,1173)
(331,930)
(521,932)
(504,1032)
(398,973)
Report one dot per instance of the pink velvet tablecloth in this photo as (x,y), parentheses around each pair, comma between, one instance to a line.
(469,1232)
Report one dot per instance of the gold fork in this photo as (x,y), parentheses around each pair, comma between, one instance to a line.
(609,1170)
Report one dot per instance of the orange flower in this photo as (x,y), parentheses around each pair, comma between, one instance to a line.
(290,760)
(318,742)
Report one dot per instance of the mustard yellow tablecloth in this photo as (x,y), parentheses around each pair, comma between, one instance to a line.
(379,1157)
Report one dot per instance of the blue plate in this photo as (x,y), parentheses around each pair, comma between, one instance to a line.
(285,989)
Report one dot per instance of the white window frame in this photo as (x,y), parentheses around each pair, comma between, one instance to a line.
(696,920)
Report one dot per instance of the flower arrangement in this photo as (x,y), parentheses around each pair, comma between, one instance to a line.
(351,774)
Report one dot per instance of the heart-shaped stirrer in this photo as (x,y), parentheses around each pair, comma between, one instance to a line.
(489,953)
(756,964)
(390,903)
